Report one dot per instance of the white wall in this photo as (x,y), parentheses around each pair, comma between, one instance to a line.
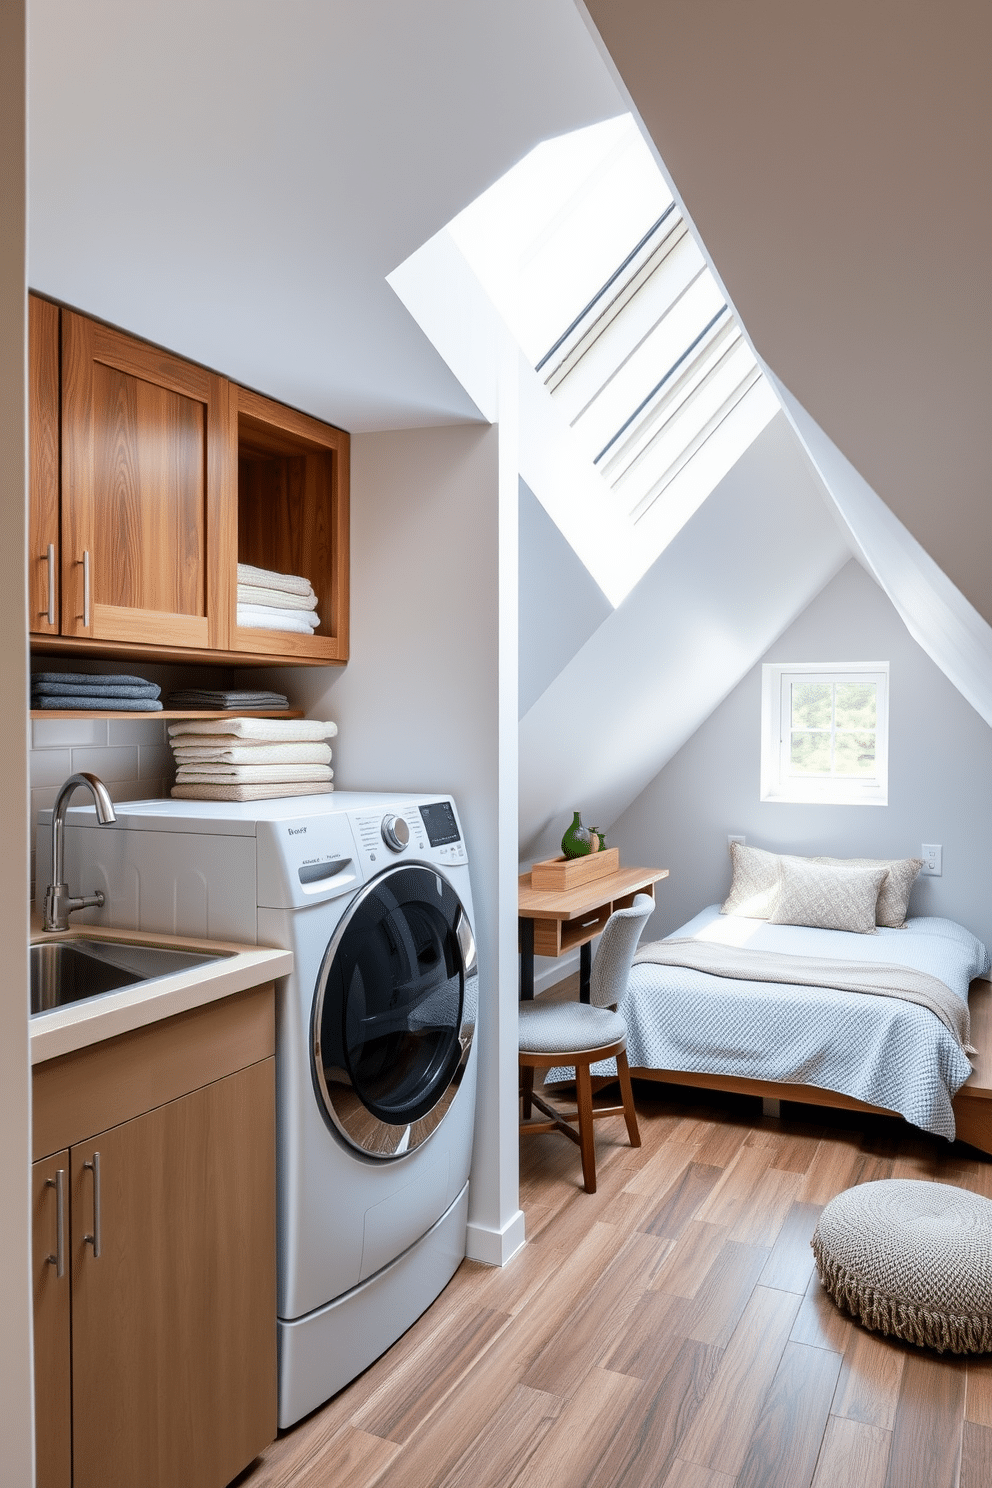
(940,776)
(16,1427)
(421,705)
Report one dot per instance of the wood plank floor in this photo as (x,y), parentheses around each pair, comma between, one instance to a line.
(665,1332)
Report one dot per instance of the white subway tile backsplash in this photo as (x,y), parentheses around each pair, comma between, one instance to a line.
(60,733)
(156,760)
(49,766)
(112,765)
(137,790)
(140,731)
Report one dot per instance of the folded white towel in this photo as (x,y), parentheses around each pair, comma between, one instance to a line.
(280,730)
(218,792)
(267,578)
(252,774)
(274,618)
(251,754)
(278,598)
(290,620)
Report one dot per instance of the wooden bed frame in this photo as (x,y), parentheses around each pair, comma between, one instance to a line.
(972,1104)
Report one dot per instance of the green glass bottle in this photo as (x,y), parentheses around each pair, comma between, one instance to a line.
(576,841)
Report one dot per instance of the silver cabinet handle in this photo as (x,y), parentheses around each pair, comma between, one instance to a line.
(86,586)
(94,1239)
(51,593)
(58,1259)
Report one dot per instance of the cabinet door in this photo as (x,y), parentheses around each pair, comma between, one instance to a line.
(149,499)
(173,1338)
(52,1356)
(43,466)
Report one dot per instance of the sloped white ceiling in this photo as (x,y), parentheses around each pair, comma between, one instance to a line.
(835,159)
(234,179)
(750,560)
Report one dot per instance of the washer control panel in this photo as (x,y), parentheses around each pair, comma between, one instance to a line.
(428,831)
(395,832)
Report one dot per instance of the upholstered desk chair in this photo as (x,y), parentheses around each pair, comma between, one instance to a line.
(555,1035)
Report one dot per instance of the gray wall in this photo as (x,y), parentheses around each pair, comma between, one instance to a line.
(940,776)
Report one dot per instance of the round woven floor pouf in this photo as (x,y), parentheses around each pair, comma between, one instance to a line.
(911,1259)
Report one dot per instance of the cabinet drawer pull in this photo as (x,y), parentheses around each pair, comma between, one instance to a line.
(94,1239)
(86,586)
(51,595)
(58,1259)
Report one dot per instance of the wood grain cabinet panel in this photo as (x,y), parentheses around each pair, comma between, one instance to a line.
(170,1284)
(52,1377)
(43,466)
(148,507)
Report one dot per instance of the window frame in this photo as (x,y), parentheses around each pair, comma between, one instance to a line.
(777,679)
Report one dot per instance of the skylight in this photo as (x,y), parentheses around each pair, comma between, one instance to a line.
(588,259)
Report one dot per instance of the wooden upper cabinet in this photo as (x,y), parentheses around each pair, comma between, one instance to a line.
(43,466)
(293,518)
(148,504)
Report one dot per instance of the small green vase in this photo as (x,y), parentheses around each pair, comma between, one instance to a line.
(576,842)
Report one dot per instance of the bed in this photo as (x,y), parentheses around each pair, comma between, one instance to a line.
(820,1044)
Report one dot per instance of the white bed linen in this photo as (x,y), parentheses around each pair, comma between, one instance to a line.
(880,1050)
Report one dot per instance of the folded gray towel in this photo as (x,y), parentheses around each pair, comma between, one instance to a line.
(92,681)
(67,689)
(99,701)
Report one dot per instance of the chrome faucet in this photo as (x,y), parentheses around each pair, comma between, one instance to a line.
(59,903)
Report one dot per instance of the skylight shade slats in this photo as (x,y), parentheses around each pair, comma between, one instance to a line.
(674,418)
(708,419)
(667,246)
(626,387)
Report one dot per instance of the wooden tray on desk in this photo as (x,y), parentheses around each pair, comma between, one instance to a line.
(569,873)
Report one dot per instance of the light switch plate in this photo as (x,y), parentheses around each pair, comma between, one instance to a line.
(733,837)
(932,854)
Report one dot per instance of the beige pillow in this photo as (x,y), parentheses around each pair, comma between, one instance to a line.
(827,896)
(754,885)
(893,896)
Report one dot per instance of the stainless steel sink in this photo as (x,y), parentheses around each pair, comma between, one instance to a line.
(66,971)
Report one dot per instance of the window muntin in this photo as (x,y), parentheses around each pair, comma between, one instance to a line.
(825,733)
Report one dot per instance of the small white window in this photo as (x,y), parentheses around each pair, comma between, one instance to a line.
(825,733)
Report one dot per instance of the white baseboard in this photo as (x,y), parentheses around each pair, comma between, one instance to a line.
(496,1247)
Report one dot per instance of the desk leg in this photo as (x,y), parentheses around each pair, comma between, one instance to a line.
(526,960)
(585,968)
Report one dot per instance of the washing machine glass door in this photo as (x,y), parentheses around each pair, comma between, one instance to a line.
(394,1012)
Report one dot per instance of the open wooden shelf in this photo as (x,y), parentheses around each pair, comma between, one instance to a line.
(169,713)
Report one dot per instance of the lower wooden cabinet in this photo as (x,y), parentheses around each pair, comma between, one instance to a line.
(168,1246)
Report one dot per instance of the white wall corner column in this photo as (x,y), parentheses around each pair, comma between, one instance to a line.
(428,702)
(15,1090)
(496,1221)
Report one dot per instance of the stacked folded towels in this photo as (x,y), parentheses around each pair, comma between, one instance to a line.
(102,690)
(251,759)
(201,697)
(275,601)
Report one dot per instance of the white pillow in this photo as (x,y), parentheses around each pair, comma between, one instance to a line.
(893,896)
(754,886)
(827,896)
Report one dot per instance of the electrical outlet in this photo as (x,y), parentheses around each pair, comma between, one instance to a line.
(733,837)
(931,854)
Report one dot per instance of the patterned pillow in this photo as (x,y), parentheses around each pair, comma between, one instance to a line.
(827,896)
(893,896)
(754,886)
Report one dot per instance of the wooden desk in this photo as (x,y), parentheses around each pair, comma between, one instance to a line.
(553,922)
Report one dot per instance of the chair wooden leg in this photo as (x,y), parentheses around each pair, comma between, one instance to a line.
(629,1113)
(526,1088)
(587,1141)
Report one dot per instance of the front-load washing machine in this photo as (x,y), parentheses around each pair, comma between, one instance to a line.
(375,1058)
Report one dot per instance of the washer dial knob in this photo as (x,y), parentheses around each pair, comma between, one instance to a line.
(395,832)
